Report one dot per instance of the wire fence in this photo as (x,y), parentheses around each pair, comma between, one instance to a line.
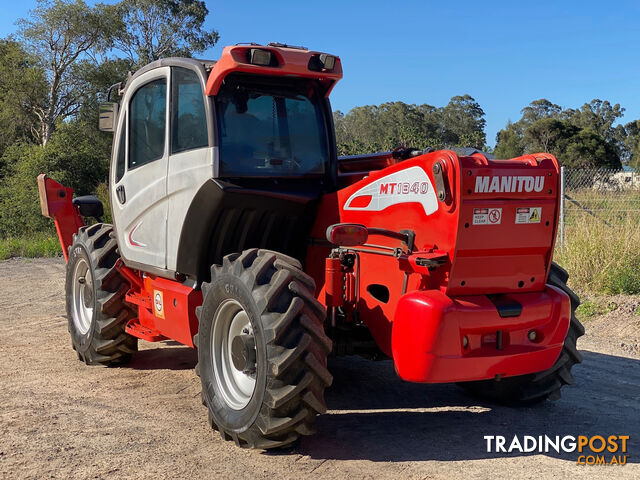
(603,196)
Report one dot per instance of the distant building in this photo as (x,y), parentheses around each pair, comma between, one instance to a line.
(627,179)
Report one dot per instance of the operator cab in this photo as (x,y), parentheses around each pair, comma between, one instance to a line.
(195,140)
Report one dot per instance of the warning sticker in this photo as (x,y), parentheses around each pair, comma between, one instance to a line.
(158,303)
(487,216)
(528,214)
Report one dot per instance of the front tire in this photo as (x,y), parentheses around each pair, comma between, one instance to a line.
(262,350)
(95,291)
(538,387)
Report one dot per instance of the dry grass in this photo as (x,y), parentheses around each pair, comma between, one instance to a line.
(601,258)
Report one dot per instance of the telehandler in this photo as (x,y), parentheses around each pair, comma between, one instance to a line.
(238,230)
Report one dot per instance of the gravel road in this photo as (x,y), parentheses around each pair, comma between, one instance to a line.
(62,419)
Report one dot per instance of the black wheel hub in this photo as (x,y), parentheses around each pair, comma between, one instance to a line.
(243,353)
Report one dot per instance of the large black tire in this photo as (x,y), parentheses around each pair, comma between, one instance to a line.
(289,366)
(97,331)
(538,387)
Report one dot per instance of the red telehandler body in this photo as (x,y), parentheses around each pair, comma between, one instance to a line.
(238,231)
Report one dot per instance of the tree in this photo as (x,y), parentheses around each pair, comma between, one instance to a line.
(462,120)
(580,138)
(19,208)
(509,142)
(573,146)
(598,115)
(95,80)
(632,143)
(547,135)
(22,87)
(154,29)
(60,33)
(539,109)
(76,156)
(588,149)
(393,124)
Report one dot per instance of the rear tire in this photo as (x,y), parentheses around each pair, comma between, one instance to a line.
(95,291)
(260,306)
(538,387)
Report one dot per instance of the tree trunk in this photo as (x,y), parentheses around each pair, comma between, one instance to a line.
(48,119)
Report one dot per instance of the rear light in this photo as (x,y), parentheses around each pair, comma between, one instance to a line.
(347,234)
(261,57)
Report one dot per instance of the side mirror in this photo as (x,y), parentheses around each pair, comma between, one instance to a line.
(108,117)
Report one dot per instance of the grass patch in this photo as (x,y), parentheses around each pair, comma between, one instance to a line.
(593,308)
(37,245)
(601,258)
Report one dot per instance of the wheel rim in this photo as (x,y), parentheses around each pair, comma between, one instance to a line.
(236,386)
(82,296)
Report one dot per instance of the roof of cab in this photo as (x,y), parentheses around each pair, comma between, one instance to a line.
(201,67)
(291,61)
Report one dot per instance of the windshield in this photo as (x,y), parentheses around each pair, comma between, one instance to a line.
(271,130)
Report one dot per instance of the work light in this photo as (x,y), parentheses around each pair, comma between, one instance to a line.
(327,61)
(260,57)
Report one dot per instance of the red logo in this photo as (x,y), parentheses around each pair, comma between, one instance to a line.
(494,216)
(404,188)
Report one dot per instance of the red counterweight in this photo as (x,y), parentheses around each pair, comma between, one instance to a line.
(437,338)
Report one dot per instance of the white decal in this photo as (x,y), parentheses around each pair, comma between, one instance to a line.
(487,216)
(509,184)
(405,186)
(528,214)
(132,242)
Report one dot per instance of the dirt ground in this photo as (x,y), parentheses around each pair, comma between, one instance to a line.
(62,419)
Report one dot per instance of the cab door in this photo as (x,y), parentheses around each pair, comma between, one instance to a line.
(139,179)
(191,156)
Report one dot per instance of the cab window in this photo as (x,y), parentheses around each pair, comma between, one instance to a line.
(271,128)
(147,125)
(120,159)
(189,122)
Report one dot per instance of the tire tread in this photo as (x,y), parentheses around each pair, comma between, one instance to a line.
(293,326)
(110,345)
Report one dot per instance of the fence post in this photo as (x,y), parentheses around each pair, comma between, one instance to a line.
(561,226)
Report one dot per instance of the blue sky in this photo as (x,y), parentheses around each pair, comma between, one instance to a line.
(504,54)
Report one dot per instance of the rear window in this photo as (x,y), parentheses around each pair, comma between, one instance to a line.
(268,130)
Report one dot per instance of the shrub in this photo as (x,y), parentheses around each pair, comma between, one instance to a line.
(102,192)
(38,245)
(77,156)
